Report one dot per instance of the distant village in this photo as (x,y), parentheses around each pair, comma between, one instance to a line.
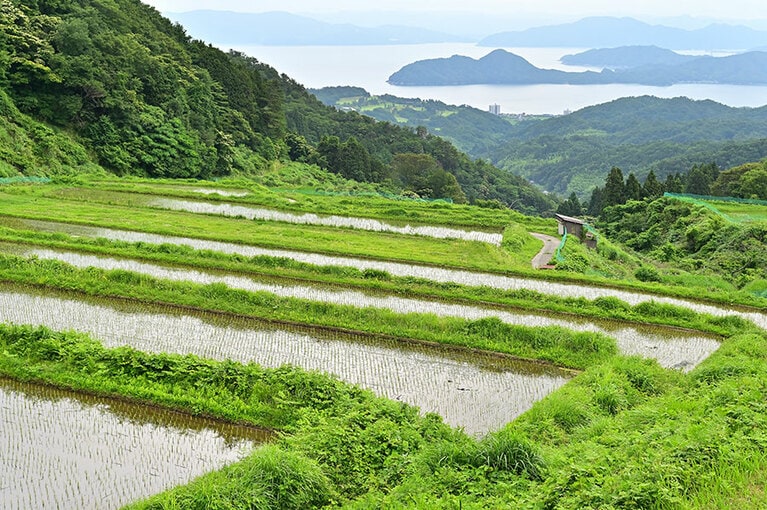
(495,109)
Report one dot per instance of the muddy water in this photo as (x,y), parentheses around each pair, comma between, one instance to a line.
(64,450)
(479,393)
(399,269)
(330,221)
(672,349)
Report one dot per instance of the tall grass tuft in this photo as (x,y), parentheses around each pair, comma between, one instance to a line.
(506,451)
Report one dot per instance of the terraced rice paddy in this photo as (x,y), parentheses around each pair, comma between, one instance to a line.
(479,393)
(64,450)
(437,274)
(330,221)
(672,349)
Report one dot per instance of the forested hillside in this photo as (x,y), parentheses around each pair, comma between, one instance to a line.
(112,84)
(471,130)
(574,153)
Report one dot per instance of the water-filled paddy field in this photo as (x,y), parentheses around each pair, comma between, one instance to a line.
(65,450)
(672,348)
(474,391)
(330,221)
(480,392)
(437,274)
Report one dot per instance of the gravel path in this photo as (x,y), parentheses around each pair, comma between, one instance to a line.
(550,244)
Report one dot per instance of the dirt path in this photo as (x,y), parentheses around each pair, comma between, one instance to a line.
(550,245)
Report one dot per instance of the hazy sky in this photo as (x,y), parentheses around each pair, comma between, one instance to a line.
(729,10)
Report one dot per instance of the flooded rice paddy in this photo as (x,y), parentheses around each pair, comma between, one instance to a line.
(373,225)
(62,450)
(672,349)
(437,274)
(475,391)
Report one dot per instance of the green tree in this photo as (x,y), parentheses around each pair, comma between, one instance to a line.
(596,202)
(445,185)
(755,184)
(673,184)
(700,178)
(652,188)
(571,206)
(615,189)
(632,190)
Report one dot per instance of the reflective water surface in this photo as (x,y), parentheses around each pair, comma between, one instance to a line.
(64,450)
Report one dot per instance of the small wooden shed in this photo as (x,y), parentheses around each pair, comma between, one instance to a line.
(576,227)
(573,226)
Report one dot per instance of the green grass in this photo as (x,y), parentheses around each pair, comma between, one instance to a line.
(553,344)
(625,433)
(274,269)
(31,202)
(328,240)
(362,205)
(731,210)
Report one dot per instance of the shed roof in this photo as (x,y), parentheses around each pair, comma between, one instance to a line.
(569,219)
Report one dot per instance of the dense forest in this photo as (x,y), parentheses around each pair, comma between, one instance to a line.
(112,84)
(574,153)
(685,235)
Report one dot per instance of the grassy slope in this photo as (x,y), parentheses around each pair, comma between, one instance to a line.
(513,258)
(261,233)
(624,433)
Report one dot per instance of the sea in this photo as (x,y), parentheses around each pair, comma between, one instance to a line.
(370,66)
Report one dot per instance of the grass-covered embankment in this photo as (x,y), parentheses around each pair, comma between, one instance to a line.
(512,258)
(625,434)
(553,344)
(288,270)
(268,234)
(338,441)
(365,205)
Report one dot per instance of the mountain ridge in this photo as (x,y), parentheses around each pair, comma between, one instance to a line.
(280,28)
(501,67)
(600,32)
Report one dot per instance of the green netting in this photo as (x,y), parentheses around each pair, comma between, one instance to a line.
(22,179)
(591,230)
(703,201)
(559,257)
(711,198)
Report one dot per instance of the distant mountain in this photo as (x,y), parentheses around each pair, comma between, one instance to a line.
(497,67)
(284,29)
(601,32)
(503,68)
(742,69)
(626,57)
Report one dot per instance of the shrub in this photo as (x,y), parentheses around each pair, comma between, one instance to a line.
(647,274)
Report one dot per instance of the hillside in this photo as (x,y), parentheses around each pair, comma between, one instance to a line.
(134,94)
(573,153)
(471,130)
(503,68)
(625,57)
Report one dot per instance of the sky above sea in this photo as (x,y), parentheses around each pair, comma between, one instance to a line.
(516,14)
